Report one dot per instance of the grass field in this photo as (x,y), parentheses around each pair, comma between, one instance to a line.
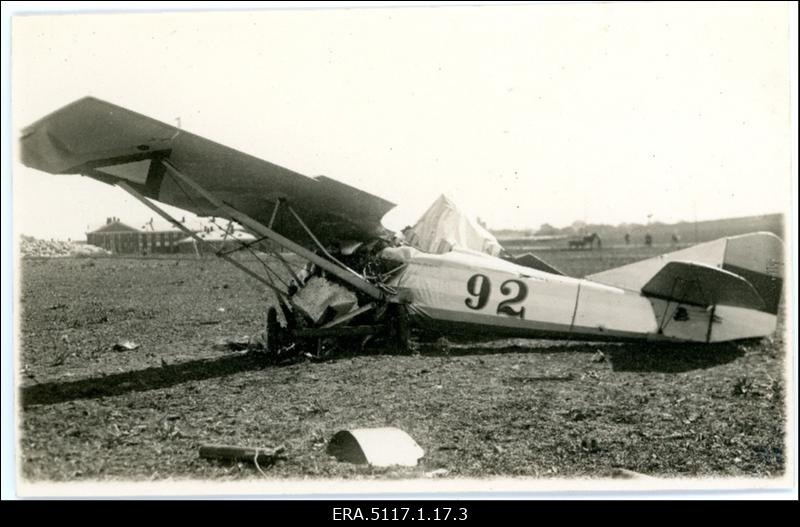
(688,232)
(510,408)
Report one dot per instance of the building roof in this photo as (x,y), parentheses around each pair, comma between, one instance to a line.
(115,226)
(157,224)
(161,225)
(220,236)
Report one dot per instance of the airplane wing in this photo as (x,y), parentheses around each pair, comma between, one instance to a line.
(109,143)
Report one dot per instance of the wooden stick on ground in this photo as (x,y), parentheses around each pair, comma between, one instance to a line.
(236,453)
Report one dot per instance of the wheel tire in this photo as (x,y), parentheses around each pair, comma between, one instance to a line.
(272,332)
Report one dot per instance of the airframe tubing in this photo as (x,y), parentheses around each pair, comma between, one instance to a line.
(124,186)
(277,254)
(245,220)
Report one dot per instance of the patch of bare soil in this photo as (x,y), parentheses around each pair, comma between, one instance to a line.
(507,408)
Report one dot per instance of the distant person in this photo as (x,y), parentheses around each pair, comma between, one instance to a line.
(648,240)
(675,238)
(627,238)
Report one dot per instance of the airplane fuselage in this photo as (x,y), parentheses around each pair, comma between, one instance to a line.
(463,292)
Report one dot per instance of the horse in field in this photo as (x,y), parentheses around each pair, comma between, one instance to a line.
(583,242)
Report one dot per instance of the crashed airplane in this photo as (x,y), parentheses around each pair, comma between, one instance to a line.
(361,279)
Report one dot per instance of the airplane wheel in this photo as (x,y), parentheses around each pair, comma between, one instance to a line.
(402,331)
(272,332)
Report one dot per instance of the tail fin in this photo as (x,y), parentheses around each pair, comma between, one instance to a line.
(757,258)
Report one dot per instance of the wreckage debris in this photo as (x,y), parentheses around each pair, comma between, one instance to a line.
(590,444)
(319,295)
(259,456)
(125,345)
(379,447)
(240,343)
(622,473)
(599,356)
(541,378)
(235,343)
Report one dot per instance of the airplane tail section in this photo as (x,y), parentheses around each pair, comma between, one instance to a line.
(702,285)
(758,258)
(725,289)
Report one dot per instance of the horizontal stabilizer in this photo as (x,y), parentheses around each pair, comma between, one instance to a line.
(756,257)
(702,285)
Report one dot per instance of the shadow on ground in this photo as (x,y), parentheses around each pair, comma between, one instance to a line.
(624,357)
(639,357)
(674,358)
(139,380)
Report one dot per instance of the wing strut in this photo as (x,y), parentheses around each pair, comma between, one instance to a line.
(127,188)
(311,235)
(243,219)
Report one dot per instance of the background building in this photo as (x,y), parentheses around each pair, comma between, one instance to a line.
(162,237)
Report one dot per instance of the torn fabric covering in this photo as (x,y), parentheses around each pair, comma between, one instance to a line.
(445,226)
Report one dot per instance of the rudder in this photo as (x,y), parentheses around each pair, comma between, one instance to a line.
(758,258)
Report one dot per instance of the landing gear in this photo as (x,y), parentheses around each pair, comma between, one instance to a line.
(403,331)
(273,333)
(400,330)
(389,327)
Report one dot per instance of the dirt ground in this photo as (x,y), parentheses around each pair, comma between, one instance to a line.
(507,408)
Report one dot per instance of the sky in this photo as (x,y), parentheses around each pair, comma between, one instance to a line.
(524,114)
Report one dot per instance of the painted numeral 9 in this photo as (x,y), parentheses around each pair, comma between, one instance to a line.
(478,286)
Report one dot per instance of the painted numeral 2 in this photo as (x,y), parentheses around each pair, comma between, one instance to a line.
(479,287)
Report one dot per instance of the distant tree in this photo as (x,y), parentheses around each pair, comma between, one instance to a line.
(578,228)
(546,230)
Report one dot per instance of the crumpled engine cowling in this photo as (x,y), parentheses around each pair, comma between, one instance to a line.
(319,294)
